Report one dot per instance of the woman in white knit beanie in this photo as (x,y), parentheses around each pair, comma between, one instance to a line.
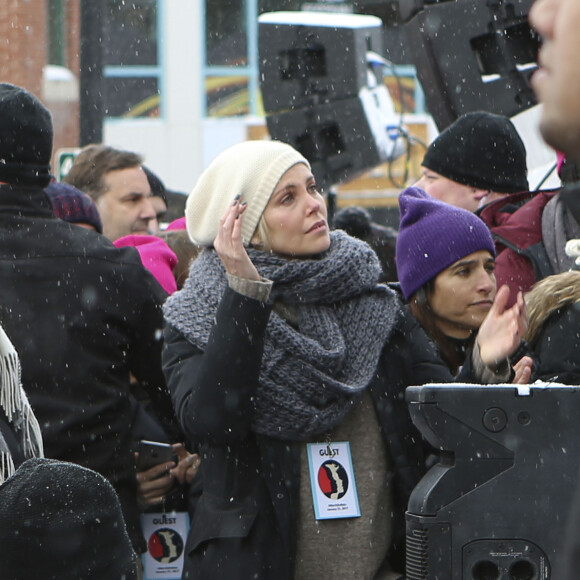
(287,363)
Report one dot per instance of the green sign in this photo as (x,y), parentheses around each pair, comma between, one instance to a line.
(64,160)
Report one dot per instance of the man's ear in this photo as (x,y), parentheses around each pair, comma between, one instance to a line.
(479,194)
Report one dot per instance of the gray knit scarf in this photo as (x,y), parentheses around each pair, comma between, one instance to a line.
(314,371)
(558,226)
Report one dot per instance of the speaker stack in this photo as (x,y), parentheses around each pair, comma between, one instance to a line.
(474,55)
(322,95)
(495,506)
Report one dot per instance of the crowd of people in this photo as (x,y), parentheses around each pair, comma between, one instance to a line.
(263,342)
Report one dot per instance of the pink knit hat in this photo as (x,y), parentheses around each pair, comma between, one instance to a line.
(156,256)
(178,224)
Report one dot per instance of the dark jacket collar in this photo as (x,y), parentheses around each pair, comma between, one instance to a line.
(24,200)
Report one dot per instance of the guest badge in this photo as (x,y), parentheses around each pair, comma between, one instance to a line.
(166,533)
(332,480)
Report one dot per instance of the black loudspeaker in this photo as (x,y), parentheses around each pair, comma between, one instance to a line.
(309,58)
(341,138)
(474,55)
(391,12)
(495,506)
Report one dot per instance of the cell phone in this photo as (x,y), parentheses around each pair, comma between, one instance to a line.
(153,453)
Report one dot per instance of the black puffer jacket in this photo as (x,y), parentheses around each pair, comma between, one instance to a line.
(244,524)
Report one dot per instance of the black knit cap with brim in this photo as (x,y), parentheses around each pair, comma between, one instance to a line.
(61,521)
(481,150)
(25,138)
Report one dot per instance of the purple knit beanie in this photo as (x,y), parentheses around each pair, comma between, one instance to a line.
(432,236)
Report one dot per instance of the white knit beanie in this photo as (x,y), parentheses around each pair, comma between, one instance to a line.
(251,169)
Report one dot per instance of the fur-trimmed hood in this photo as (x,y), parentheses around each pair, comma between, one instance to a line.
(549,295)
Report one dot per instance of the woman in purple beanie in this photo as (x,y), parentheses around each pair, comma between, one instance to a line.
(445,262)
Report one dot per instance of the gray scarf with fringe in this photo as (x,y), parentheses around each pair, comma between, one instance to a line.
(15,405)
(558,226)
(312,371)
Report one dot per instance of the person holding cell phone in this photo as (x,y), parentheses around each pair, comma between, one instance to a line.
(161,469)
(287,364)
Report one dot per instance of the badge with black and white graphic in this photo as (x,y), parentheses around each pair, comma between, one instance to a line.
(332,480)
(166,534)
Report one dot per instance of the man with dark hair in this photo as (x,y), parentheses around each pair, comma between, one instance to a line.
(158,199)
(169,205)
(118,184)
(83,315)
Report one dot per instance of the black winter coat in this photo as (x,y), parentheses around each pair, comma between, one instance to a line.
(244,524)
(557,347)
(82,315)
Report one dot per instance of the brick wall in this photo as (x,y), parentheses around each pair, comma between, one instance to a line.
(23,56)
(23,42)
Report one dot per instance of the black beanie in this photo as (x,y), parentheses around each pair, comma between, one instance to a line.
(480,150)
(25,138)
(355,221)
(61,521)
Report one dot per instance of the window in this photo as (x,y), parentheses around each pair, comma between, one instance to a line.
(131,59)
(230,63)
(56,49)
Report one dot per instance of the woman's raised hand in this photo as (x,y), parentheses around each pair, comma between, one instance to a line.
(502,330)
(523,371)
(230,246)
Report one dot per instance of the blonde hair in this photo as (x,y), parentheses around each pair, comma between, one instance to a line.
(547,296)
(261,238)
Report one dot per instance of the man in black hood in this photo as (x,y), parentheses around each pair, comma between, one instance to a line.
(83,315)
